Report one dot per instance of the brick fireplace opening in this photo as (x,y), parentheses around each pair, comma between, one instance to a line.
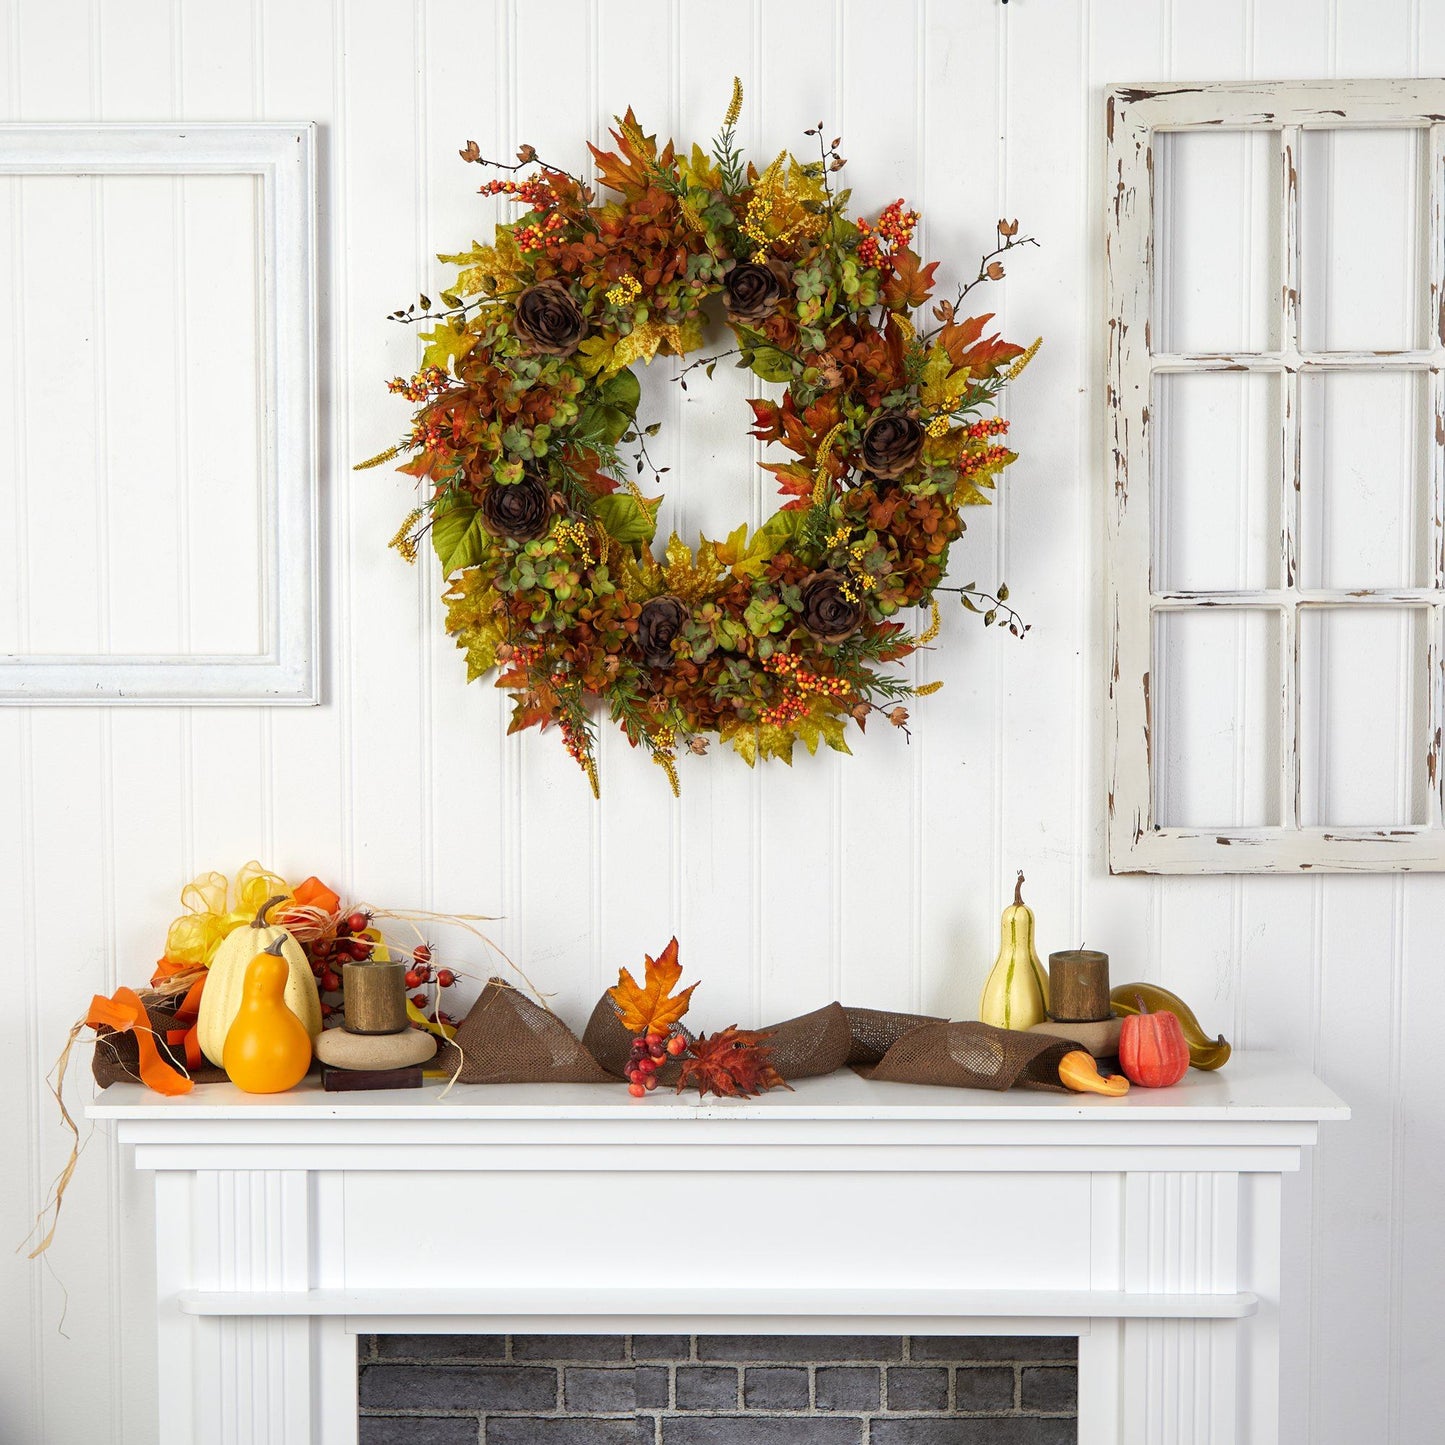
(435,1389)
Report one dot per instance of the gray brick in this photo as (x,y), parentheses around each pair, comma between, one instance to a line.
(569,1347)
(410,1430)
(848,1387)
(775,1388)
(1050,1387)
(984,1387)
(1015,1430)
(650,1384)
(661,1347)
(802,1349)
(459,1387)
(599,1391)
(746,1430)
(961,1349)
(512,1431)
(441,1347)
(705,1387)
(923,1388)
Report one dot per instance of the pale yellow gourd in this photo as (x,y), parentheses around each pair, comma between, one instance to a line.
(226,981)
(1016,995)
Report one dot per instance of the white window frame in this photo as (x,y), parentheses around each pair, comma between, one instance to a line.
(1135,115)
(282,155)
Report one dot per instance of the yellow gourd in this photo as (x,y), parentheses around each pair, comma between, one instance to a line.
(226,976)
(1016,995)
(267,1047)
(1079,1072)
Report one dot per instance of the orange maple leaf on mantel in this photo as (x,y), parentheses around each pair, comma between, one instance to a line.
(652,1007)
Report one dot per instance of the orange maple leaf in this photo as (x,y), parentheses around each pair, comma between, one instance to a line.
(652,1007)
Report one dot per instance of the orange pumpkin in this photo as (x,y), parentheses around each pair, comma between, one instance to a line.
(1152,1049)
(267,1047)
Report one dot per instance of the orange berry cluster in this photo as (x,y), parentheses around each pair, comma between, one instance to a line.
(521,655)
(535,238)
(989,426)
(649,1053)
(423,385)
(989,459)
(895,228)
(785,664)
(536,193)
(788,708)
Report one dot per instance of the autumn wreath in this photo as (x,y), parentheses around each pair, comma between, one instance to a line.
(526,399)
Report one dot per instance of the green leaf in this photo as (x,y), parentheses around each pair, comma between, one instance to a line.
(614,408)
(625,520)
(459,538)
(772,365)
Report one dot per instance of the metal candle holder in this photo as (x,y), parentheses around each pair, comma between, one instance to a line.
(374,997)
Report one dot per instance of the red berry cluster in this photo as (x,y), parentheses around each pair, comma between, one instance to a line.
(327,955)
(649,1053)
(989,426)
(894,228)
(786,709)
(421,974)
(534,191)
(424,385)
(789,665)
(535,238)
(989,459)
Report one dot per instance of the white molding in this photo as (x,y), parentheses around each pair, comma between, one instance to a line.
(282,155)
(1134,115)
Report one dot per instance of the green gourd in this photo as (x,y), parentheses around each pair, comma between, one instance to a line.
(1016,995)
(226,978)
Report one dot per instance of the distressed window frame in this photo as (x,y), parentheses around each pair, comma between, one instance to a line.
(282,156)
(1134,116)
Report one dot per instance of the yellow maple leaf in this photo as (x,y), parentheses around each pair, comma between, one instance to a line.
(940,385)
(651,1007)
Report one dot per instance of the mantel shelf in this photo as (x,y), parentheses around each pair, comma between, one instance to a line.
(692,1304)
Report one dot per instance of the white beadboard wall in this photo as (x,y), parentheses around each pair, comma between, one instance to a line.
(876,879)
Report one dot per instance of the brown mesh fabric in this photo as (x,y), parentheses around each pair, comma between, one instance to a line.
(973,1056)
(812,1044)
(116,1057)
(507,1039)
(874,1031)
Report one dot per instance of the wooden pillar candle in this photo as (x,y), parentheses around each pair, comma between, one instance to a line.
(374,998)
(1079,986)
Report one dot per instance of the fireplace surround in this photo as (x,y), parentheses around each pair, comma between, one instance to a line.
(1147,1228)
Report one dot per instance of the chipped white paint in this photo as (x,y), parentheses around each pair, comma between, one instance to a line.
(1139,839)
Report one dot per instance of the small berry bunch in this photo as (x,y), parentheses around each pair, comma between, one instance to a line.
(894,230)
(534,192)
(649,1053)
(422,976)
(430,382)
(535,237)
(790,665)
(348,943)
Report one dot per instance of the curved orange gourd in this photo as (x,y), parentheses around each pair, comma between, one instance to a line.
(267,1048)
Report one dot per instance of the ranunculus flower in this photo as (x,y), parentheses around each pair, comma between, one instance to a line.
(658,623)
(891,444)
(753,292)
(827,611)
(548,320)
(520,510)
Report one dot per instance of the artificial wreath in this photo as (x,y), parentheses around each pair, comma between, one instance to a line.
(526,398)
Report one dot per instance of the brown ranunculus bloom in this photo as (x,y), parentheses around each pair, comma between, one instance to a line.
(548,320)
(753,292)
(891,444)
(827,612)
(658,623)
(520,510)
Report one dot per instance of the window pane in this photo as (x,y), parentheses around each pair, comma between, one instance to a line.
(1215,245)
(1216,718)
(1364,716)
(1364,483)
(1362,239)
(1217,466)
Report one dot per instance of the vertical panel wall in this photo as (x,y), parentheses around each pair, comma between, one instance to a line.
(876,878)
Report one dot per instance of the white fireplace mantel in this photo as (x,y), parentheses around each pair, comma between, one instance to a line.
(1148,1226)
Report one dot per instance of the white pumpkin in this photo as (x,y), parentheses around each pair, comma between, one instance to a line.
(226,978)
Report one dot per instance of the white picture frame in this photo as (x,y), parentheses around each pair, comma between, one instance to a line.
(1287,111)
(282,156)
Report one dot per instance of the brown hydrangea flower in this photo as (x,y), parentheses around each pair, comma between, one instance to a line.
(660,621)
(754,292)
(548,320)
(832,611)
(520,510)
(891,444)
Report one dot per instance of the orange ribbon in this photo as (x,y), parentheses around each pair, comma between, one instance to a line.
(123,1011)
